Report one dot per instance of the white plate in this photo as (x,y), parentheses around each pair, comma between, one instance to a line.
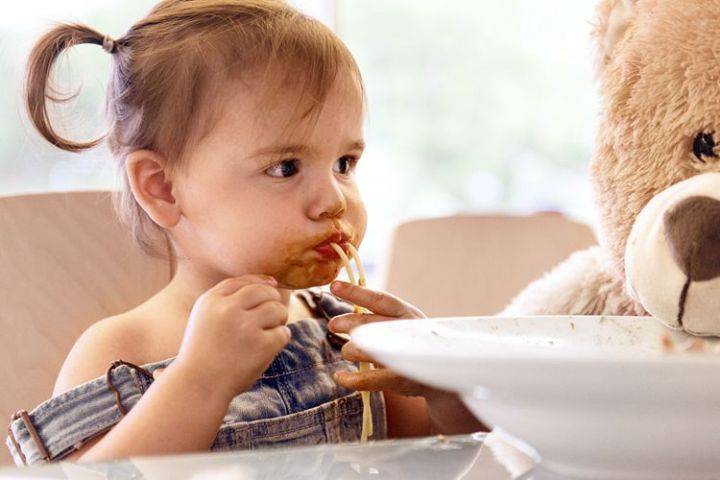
(594,395)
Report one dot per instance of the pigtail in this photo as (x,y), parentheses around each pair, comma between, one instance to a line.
(38,87)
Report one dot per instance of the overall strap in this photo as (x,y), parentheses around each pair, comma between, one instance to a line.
(63,423)
(325,306)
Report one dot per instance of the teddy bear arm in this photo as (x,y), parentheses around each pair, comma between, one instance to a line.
(580,285)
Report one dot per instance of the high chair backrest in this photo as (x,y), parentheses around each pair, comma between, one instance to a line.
(65,262)
(475,264)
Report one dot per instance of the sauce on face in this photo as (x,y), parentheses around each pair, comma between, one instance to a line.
(300,267)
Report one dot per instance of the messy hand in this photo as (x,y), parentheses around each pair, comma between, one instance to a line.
(237,318)
(384,307)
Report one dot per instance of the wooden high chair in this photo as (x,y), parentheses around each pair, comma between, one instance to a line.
(476,264)
(65,262)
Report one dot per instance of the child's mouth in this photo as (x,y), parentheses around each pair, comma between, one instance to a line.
(326,251)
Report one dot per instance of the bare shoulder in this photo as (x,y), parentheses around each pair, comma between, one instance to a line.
(120,337)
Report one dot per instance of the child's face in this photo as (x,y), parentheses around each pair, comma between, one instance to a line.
(264,188)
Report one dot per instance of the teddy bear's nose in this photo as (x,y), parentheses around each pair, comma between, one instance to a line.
(692,230)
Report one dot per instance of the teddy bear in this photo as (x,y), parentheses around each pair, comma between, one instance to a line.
(654,173)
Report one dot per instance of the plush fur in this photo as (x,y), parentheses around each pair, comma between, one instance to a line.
(658,66)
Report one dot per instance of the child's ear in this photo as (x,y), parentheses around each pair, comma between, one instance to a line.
(151,185)
(613,19)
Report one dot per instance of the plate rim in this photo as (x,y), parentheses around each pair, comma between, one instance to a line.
(363,335)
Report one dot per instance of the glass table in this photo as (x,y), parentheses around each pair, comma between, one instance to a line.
(477,456)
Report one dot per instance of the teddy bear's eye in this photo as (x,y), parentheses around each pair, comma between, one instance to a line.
(704,146)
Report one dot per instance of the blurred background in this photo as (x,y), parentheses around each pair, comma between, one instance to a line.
(474,106)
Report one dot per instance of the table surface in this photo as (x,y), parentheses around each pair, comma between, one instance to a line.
(477,456)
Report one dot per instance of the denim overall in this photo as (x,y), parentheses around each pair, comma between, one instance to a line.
(295,402)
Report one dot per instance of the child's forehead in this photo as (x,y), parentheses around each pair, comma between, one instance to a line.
(268,111)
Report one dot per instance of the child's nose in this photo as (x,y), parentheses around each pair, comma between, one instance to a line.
(327,200)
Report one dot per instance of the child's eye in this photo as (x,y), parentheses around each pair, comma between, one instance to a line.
(345,165)
(284,169)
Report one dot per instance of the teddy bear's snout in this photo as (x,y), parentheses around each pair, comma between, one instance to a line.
(692,230)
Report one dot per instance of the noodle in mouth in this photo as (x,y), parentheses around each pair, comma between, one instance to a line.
(367,421)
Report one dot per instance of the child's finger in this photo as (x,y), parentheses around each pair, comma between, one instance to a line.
(349,321)
(270,315)
(232,285)
(380,379)
(352,353)
(380,303)
(254,295)
(367,381)
(278,337)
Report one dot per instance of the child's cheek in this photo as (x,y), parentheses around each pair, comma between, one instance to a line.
(360,222)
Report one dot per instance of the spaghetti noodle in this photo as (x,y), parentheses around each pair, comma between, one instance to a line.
(367,421)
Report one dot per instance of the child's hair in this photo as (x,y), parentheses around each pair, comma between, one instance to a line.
(168,66)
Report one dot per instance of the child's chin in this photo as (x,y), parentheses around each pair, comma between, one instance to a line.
(300,278)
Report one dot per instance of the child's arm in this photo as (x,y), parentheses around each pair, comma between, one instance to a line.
(184,408)
(408,415)
(177,414)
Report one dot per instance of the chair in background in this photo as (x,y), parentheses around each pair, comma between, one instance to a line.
(65,262)
(476,264)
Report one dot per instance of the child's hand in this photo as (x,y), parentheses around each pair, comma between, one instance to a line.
(384,307)
(234,332)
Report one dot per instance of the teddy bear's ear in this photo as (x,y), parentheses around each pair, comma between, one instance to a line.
(613,19)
